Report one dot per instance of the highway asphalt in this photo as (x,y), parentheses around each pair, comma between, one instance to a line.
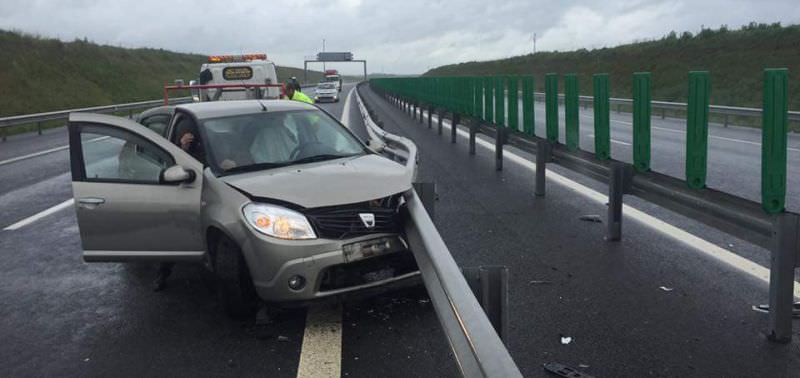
(63,317)
(646,306)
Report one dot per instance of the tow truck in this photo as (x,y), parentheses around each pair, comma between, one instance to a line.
(332,76)
(233,77)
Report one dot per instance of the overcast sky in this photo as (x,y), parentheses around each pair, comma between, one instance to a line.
(406,36)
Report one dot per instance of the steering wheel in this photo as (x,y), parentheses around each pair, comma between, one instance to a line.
(303,149)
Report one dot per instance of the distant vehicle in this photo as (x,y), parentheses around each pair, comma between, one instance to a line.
(277,198)
(237,69)
(332,76)
(326,91)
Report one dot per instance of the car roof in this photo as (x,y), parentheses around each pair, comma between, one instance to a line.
(214,109)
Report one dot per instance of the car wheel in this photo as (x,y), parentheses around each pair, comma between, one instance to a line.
(234,285)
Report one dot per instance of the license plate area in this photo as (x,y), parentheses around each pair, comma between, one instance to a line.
(373,247)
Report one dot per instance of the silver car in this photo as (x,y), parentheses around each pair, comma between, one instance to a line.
(326,91)
(277,198)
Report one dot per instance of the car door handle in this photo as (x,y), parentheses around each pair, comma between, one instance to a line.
(90,202)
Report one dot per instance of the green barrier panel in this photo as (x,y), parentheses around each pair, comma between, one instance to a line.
(513,103)
(529,123)
(697,129)
(641,121)
(602,133)
(499,101)
(571,106)
(479,96)
(488,98)
(773,140)
(551,106)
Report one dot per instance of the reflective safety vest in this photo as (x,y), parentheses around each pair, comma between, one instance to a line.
(300,96)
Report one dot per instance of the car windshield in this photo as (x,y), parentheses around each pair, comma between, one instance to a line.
(326,86)
(331,78)
(274,139)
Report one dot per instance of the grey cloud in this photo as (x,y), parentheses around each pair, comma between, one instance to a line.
(395,36)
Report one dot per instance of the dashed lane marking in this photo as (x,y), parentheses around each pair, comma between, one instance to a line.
(321,353)
(40,215)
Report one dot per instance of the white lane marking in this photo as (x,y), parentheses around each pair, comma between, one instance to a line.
(40,215)
(45,152)
(346,111)
(321,353)
(701,245)
(35,154)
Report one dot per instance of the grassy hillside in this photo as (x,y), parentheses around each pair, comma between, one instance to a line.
(735,59)
(38,74)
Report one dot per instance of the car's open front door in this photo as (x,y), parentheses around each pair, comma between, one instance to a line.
(129,206)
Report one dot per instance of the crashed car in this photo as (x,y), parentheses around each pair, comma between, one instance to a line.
(277,198)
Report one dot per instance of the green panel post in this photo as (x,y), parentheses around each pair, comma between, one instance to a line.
(571,105)
(697,129)
(499,101)
(488,99)
(479,96)
(513,103)
(773,140)
(529,123)
(602,133)
(641,121)
(551,106)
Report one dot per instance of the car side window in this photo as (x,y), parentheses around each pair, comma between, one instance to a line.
(157,123)
(113,155)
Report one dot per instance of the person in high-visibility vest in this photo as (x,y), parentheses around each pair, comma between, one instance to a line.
(294,95)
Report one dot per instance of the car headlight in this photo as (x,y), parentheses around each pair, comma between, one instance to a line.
(278,222)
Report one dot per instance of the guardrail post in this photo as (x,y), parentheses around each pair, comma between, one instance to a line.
(4,133)
(430,117)
(551,106)
(619,183)
(571,106)
(454,127)
(781,277)
(542,157)
(39,128)
(697,129)
(641,121)
(773,140)
(490,286)
(473,129)
(528,106)
(499,141)
(602,116)
(427,194)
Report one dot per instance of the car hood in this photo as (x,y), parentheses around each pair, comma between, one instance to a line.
(328,183)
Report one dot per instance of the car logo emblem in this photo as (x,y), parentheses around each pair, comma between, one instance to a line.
(368,219)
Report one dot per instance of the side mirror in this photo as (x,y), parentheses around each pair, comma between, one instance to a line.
(177,174)
(376,145)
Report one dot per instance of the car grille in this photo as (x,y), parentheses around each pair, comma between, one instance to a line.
(344,221)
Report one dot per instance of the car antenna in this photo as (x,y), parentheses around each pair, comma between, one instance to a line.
(263,107)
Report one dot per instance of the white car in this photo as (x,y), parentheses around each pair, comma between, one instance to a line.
(326,91)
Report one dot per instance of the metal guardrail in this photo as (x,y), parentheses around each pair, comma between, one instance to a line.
(64,114)
(476,345)
(764,224)
(38,118)
(723,110)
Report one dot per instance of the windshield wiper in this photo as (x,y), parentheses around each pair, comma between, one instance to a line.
(322,157)
(253,167)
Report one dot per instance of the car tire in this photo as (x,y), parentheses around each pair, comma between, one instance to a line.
(234,285)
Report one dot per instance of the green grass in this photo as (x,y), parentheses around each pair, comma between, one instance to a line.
(735,59)
(40,74)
